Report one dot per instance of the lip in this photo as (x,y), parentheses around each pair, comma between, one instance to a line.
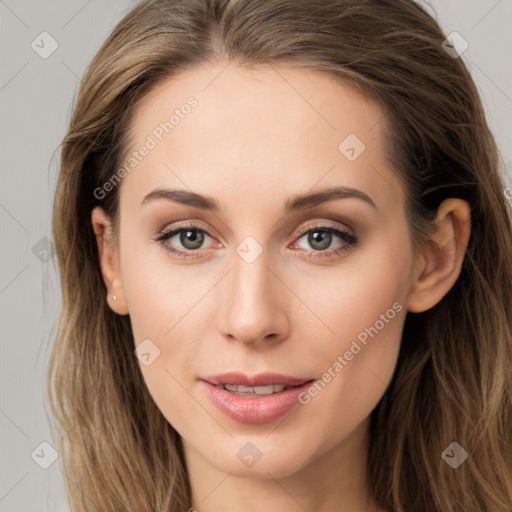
(264,409)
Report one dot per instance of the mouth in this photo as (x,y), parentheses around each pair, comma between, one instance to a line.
(254,391)
(259,399)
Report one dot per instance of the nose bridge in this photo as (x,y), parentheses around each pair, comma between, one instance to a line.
(250,309)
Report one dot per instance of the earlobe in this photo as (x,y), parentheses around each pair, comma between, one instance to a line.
(115,298)
(439,263)
(109,261)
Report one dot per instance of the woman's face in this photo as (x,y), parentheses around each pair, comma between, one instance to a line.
(268,285)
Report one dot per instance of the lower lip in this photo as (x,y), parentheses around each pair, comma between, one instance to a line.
(266,409)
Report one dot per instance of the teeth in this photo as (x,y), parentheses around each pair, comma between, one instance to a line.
(259,390)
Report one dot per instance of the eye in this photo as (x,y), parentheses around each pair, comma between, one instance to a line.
(319,237)
(191,238)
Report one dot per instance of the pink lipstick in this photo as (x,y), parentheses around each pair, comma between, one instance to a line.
(257,399)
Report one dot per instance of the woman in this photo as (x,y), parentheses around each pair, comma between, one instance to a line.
(285,255)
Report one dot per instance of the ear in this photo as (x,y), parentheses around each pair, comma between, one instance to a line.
(439,262)
(109,261)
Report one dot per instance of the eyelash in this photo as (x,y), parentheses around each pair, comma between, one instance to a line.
(348,238)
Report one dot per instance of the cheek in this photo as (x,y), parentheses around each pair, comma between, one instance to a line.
(163,308)
(363,306)
(160,293)
(353,295)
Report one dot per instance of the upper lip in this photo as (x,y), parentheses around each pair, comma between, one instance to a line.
(261,379)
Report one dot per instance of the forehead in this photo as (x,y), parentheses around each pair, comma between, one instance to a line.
(266,128)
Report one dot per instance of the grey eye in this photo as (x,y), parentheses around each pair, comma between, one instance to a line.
(191,238)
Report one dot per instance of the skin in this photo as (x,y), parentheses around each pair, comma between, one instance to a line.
(257,138)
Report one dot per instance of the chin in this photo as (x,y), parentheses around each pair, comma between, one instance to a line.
(250,457)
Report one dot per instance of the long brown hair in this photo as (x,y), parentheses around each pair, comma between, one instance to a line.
(453,378)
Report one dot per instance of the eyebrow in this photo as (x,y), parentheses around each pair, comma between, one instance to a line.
(294,203)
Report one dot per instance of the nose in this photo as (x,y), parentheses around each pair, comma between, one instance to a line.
(253,308)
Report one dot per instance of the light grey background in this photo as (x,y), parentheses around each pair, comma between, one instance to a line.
(35,102)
